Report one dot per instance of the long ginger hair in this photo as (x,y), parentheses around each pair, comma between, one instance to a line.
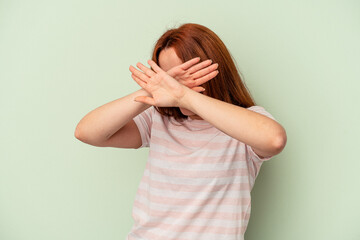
(193,40)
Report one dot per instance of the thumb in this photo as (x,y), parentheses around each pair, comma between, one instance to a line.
(145,99)
(171,72)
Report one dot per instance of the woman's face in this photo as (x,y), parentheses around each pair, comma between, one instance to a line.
(167,60)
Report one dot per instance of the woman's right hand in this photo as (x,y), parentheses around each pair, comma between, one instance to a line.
(193,75)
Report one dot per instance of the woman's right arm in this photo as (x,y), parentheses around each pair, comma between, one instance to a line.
(112,124)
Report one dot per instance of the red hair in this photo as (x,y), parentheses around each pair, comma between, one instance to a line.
(193,40)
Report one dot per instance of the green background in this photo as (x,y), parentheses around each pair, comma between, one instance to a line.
(61,59)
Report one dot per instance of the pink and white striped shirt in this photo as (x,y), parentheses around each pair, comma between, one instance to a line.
(197,181)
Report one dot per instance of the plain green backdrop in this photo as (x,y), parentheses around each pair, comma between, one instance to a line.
(61,59)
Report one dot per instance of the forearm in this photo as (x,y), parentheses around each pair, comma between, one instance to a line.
(240,123)
(102,122)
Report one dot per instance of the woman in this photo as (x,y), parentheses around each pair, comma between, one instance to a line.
(207,139)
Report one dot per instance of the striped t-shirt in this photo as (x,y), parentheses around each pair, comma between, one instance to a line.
(197,181)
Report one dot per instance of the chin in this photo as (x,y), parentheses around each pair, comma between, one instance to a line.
(189,113)
(186,112)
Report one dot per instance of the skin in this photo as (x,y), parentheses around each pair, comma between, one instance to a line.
(265,136)
(112,124)
(167,60)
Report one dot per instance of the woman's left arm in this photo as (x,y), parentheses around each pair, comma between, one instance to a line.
(263,134)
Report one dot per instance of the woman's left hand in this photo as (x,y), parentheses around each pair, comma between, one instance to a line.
(165,90)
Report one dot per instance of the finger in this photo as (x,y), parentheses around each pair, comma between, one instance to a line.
(145,99)
(174,71)
(146,70)
(139,81)
(198,89)
(189,63)
(154,66)
(142,76)
(205,71)
(206,78)
(199,66)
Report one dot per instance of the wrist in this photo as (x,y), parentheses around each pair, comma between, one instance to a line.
(142,92)
(185,101)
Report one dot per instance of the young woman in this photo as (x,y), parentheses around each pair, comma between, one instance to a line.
(207,139)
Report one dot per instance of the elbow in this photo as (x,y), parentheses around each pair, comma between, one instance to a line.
(280,141)
(77,133)
(82,135)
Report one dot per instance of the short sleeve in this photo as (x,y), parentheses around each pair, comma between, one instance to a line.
(251,154)
(144,121)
